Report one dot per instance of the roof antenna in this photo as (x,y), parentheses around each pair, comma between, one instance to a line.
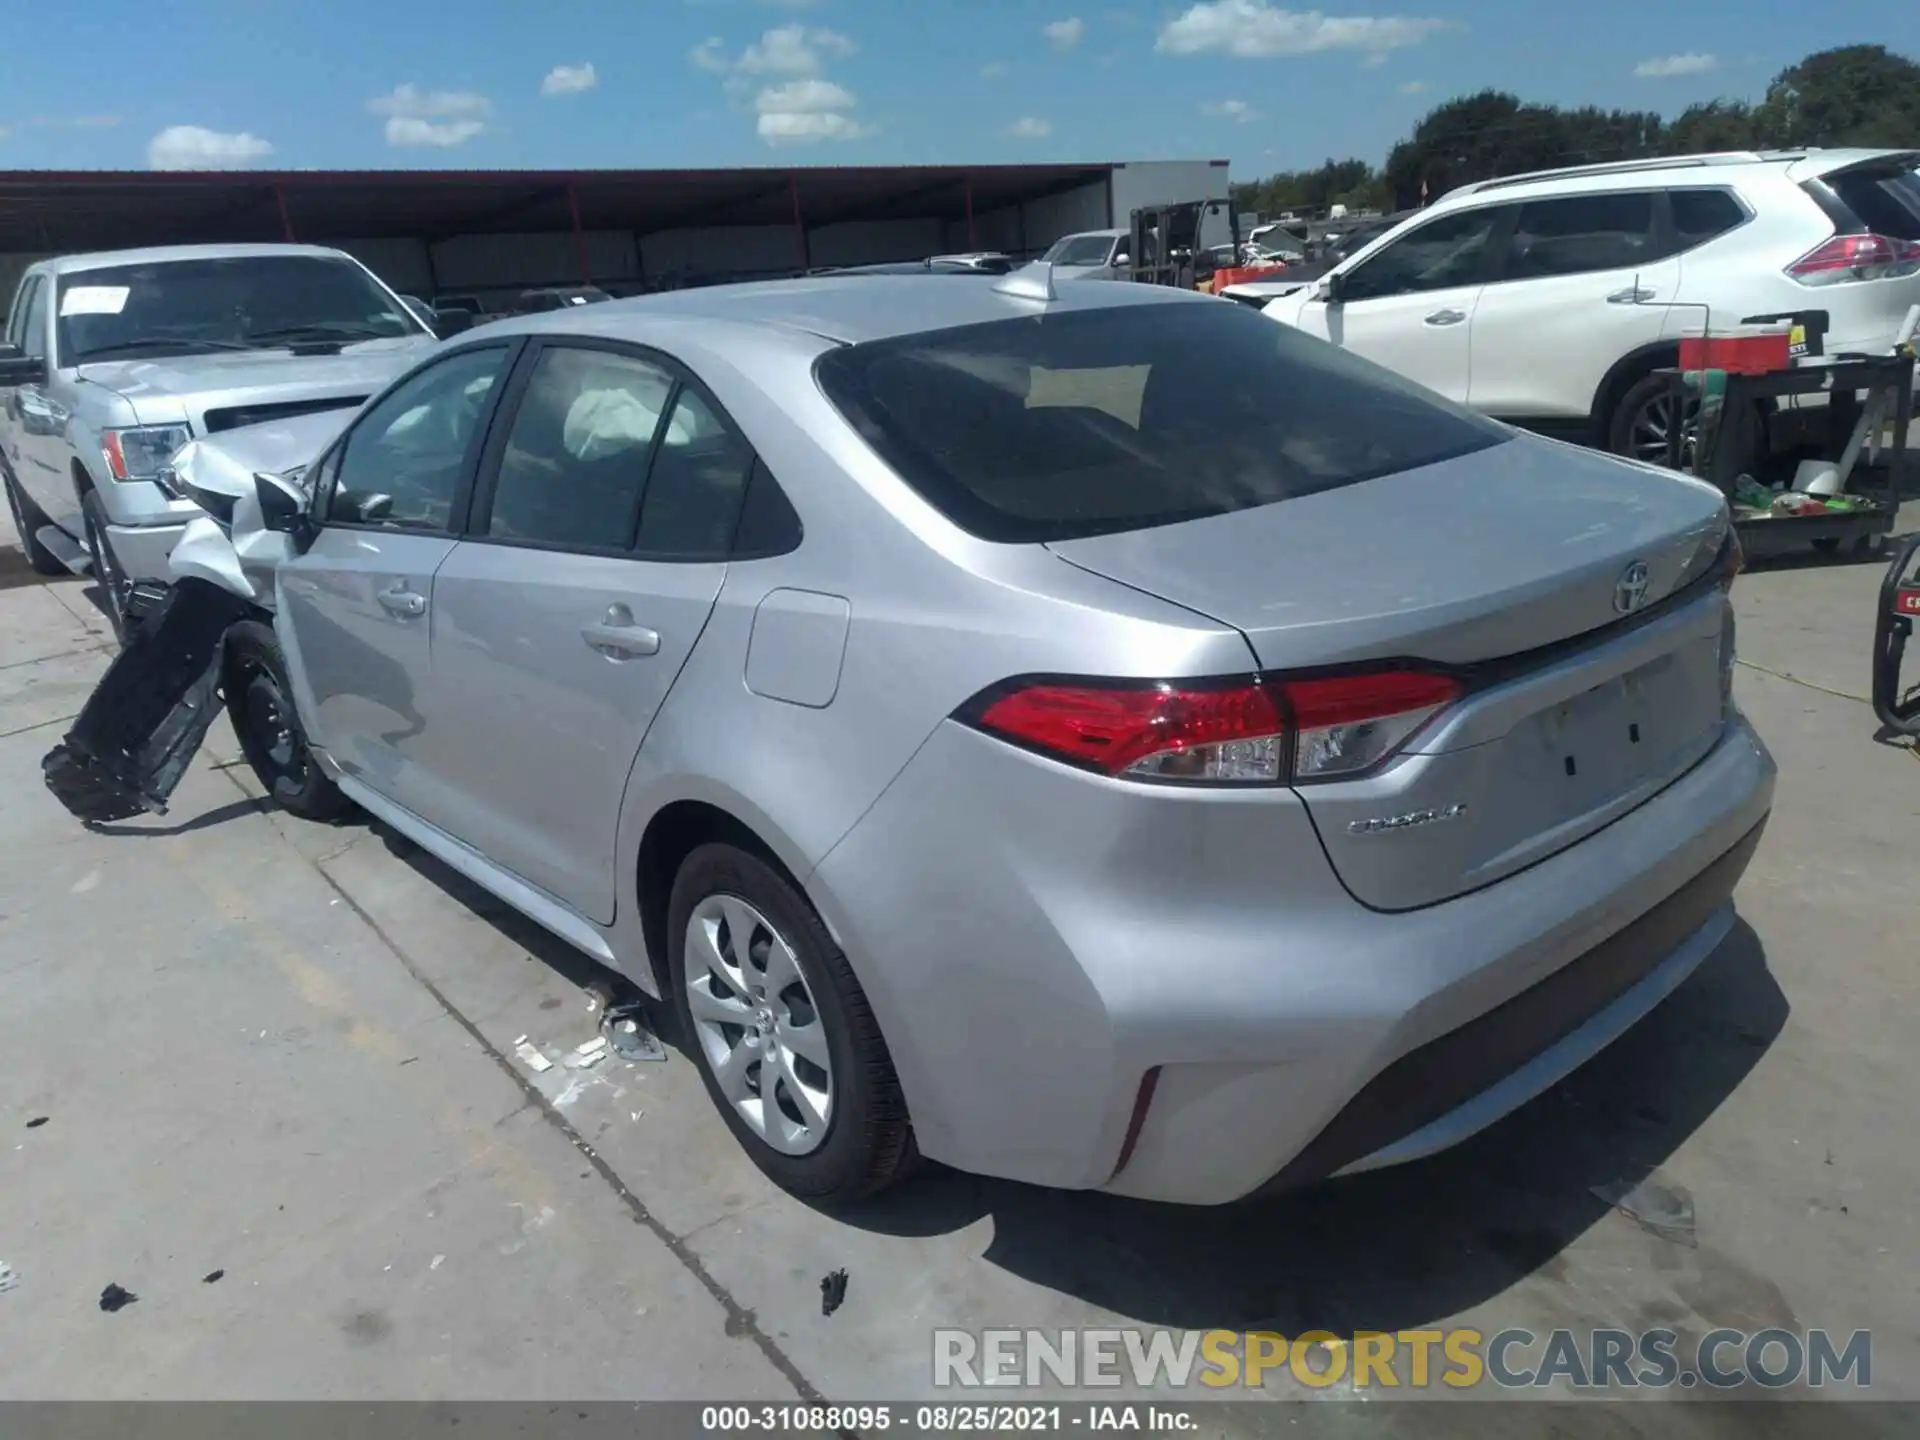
(1030,282)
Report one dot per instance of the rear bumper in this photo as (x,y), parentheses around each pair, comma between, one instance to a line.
(1035,942)
(142,550)
(1451,1088)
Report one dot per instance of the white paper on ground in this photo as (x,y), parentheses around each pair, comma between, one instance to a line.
(94,299)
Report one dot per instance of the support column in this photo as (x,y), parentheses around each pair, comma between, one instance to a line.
(286,222)
(799,223)
(579,234)
(971,245)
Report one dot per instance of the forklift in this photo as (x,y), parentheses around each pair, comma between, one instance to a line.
(1166,248)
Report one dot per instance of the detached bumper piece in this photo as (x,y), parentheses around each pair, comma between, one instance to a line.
(147,718)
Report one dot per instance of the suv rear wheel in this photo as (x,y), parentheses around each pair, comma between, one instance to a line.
(1645,416)
(782,1033)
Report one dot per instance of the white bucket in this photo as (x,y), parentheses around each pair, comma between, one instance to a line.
(1817,477)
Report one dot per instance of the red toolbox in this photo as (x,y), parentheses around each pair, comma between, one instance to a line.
(1743,350)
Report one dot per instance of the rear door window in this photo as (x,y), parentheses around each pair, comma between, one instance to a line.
(1581,234)
(1088,422)
(1700,215)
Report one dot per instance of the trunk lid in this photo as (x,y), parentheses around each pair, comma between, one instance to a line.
(1516,565)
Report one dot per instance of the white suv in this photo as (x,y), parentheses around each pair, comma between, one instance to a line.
(1548,299)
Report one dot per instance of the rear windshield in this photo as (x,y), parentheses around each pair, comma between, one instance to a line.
(1887,202)
(1088,422)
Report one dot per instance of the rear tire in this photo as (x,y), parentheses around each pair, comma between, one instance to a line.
(260,705)
(788,970)
(27,521)
(1641,419)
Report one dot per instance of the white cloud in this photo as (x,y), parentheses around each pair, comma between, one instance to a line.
(994,69)
(1663,66)
(1238,111)
(784,72)
(801,111)
(1375,59)
(1254,30)
(1413,87)
(437,118)
(1029,127)
(792,50)
(1065,34)
(408,131)
(194,147)
(569,80)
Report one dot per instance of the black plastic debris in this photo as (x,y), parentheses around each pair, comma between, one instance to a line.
(212,1277)
(37,1122)
(833,1292)
(1658,1207)
(629,1034)
(113,1299)
(146,719)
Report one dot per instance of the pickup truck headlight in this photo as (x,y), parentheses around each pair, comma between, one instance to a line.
(141,452)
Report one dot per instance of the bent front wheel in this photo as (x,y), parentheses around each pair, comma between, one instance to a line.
(260,704)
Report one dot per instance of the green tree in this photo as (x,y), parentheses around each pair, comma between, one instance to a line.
(1857,95)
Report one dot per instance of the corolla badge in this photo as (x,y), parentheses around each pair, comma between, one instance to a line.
(1387,824)
(1630,590)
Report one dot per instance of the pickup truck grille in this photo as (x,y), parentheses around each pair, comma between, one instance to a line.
(234,416)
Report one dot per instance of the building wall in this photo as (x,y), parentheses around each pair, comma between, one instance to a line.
(498,266)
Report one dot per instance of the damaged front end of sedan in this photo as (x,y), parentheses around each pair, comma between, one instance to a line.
(139,730)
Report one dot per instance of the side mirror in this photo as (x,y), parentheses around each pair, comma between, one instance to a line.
(1121,261)
(1333,289)
(447,323)
(18,369)
(283,508)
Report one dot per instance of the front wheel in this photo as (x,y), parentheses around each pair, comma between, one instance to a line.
(784,1037)
(107,574)
(260,704)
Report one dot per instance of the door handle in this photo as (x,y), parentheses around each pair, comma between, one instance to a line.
(621,642)
(1632,295)
(402,601)
(1446,317)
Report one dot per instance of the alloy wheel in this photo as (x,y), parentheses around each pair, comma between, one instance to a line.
(1653,424)
(758,1028)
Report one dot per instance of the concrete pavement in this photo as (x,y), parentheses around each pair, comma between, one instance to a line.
(283,1052)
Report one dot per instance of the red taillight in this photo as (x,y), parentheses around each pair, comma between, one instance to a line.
(1856,257)
(1254,732)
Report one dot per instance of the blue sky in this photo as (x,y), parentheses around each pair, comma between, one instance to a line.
(661,83)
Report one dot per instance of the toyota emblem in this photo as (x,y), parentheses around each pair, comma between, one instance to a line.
(1630,593)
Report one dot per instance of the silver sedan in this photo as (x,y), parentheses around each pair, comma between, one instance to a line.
(1095,737)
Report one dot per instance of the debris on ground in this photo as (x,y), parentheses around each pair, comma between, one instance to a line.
(631,1036)
(599,995)
(437,1262)
(1657,1207)
(9,1277)
(114,1299)
(212,1277)
(530,1055)
(833,1292)
(38,1121)
(586,1056)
